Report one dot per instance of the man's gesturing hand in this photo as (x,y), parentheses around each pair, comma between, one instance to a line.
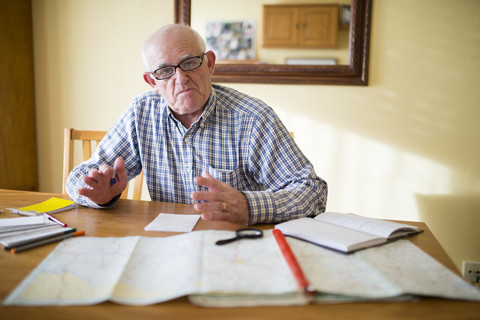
(98,180)
(221,201)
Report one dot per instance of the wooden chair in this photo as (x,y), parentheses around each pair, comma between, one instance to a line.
(91,139)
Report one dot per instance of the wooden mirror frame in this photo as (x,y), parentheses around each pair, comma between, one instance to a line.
(355,73)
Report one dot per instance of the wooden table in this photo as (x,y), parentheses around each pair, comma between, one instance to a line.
(129,217)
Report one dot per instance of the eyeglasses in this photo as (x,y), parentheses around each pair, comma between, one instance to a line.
(188,64)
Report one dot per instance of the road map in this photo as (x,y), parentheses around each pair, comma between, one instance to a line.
(148,270)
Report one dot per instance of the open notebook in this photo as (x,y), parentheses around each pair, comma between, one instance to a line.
(346,232)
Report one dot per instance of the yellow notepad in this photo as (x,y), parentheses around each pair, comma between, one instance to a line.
(51,205)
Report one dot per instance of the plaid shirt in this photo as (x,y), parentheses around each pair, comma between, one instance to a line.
(238,139)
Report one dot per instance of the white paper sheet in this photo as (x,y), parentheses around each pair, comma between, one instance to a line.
(173,222)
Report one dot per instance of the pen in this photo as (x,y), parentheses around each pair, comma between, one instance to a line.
(21,212)
(292,262)
(47,241)
(49,217)
(114,178)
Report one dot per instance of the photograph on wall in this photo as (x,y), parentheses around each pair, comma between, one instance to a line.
(231,40)
(345,16)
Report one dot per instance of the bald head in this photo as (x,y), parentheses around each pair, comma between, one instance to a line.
(170,37)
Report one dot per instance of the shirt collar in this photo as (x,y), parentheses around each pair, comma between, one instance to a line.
(210,107)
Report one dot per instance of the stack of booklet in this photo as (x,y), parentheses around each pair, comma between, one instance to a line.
(19,234)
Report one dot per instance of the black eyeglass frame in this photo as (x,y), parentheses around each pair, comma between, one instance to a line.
(179,66)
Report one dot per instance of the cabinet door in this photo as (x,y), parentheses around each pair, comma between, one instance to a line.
(279,26)
(318,26)
(306,26)
(18,148)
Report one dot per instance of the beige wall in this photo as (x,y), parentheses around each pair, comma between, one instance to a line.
(406,147)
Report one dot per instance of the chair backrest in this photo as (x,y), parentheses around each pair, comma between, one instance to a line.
(91,139)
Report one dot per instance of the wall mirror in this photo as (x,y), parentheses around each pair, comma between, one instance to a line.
(353,73)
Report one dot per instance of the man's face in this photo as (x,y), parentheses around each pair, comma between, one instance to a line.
(186,92)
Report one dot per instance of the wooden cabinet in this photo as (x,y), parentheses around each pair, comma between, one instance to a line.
(300,26)
(18,146)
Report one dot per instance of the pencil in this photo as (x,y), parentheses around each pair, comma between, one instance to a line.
(47,241)
(292,262)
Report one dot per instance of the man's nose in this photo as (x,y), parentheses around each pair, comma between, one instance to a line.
(180,75)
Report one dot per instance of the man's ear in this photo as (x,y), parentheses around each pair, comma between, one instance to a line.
(148,79)
(211,60)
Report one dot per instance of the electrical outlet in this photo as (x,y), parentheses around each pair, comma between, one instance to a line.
(471,271)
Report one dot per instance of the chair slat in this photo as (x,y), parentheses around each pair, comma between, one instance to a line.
(90,138)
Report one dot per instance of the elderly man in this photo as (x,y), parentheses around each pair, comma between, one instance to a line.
(201,143)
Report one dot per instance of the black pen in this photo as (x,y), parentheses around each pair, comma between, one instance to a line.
(114,178)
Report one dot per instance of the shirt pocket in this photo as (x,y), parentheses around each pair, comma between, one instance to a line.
(233,178)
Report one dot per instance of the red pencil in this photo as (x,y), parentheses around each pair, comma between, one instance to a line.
(292,262)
